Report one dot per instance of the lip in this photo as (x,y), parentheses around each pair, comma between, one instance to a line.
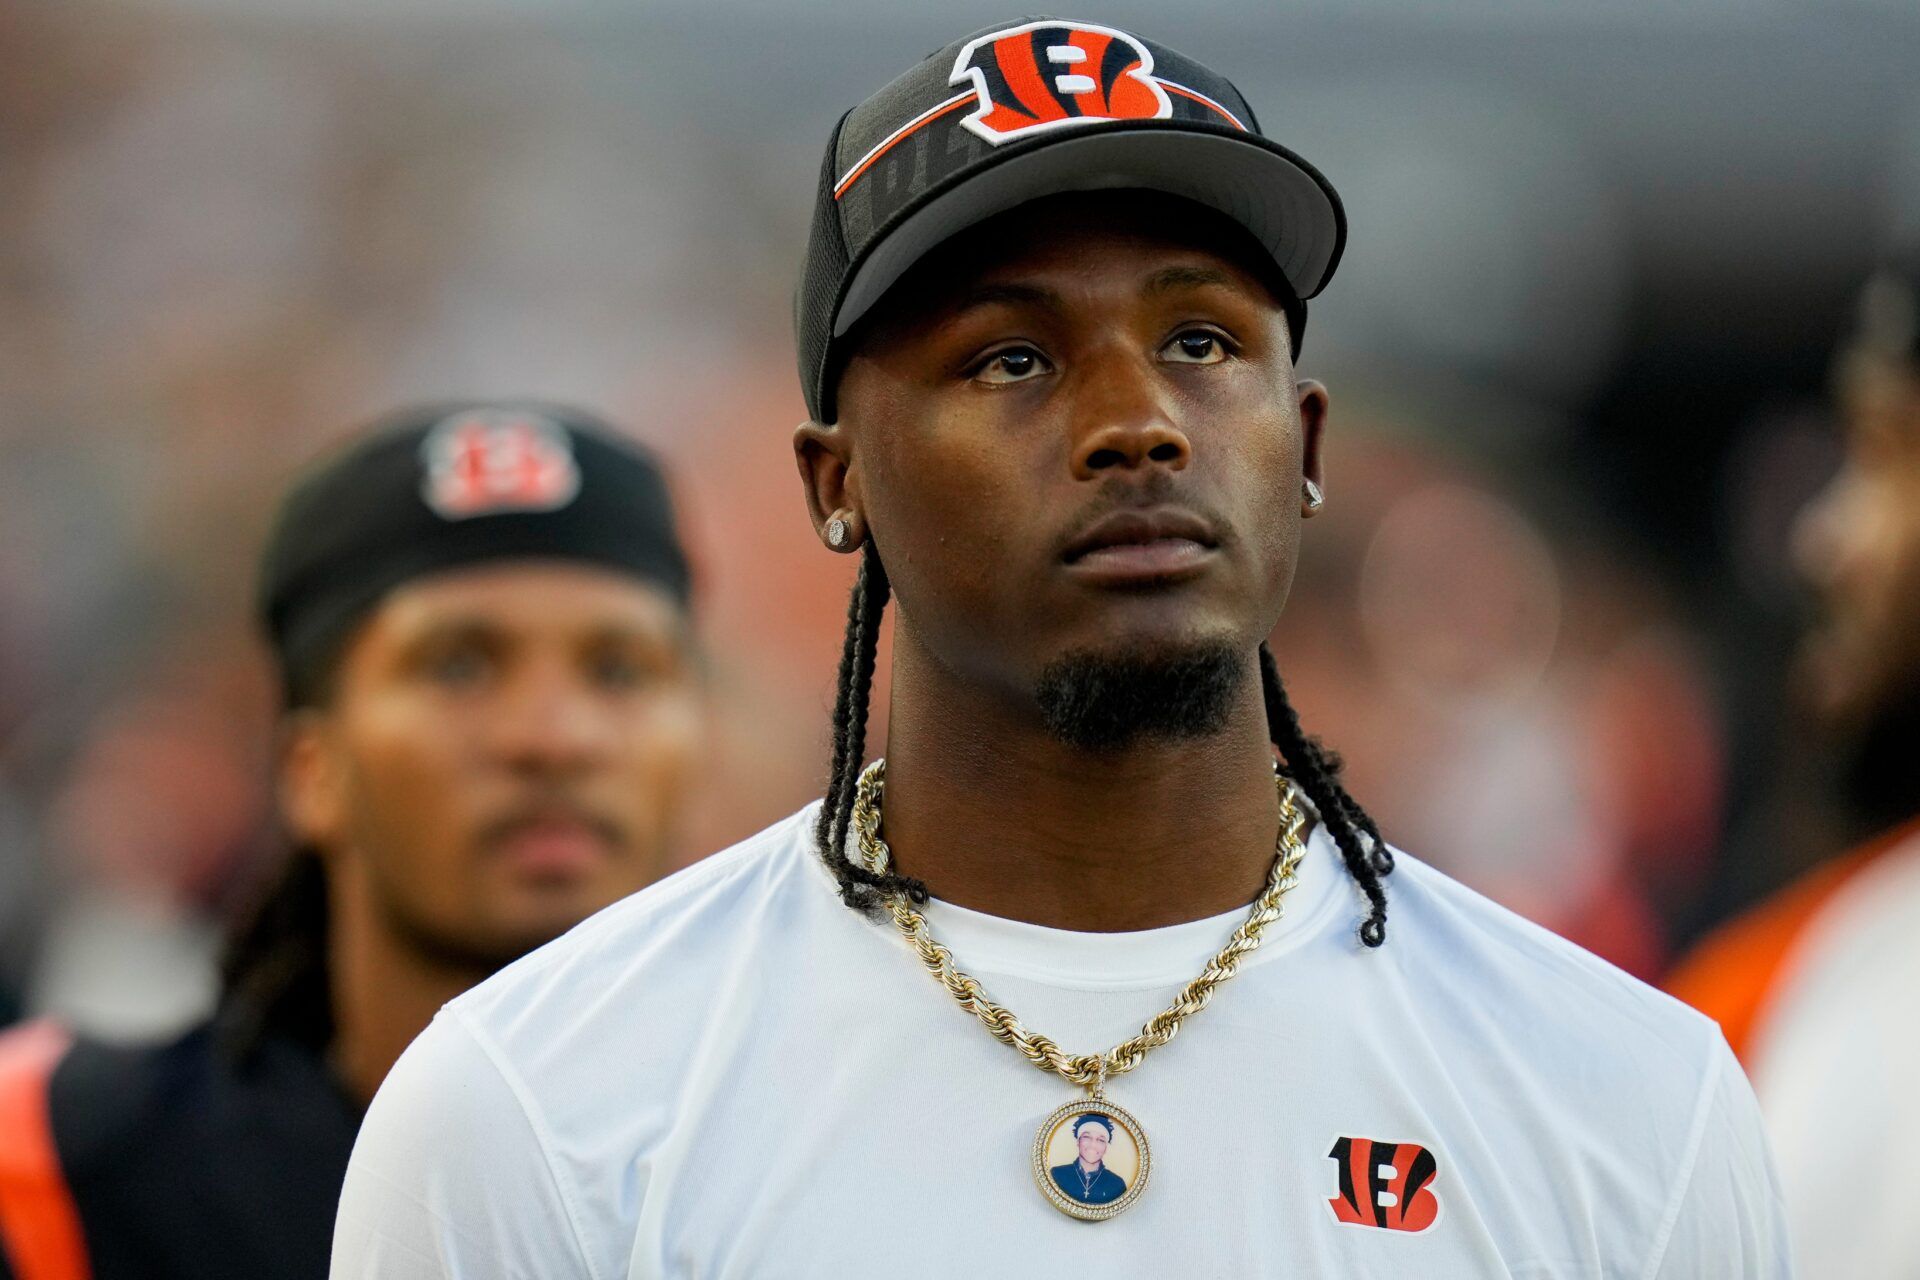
(554,845)
(1139,546)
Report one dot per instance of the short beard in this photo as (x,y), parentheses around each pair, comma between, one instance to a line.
(471,953)
(1106,700)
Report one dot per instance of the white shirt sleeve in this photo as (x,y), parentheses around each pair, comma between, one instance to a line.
(450,1178)
(1726,1222)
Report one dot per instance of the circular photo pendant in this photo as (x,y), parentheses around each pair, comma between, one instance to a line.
(1090,1159)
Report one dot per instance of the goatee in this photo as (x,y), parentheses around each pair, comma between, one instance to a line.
(1107,700)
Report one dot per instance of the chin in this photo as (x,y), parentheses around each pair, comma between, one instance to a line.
(1156,642)
(1108,698)
(527,931)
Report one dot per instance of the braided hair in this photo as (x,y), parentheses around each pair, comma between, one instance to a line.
(1314,768)
(274,971)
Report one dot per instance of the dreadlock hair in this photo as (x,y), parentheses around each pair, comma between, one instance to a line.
(860,888)
(274,971)
(274,980)
(1308,763)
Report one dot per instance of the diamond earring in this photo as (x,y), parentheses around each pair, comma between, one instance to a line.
(837,534)
(1315,498)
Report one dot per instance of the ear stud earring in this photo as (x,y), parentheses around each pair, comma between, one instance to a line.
(837,534)
(1315,498)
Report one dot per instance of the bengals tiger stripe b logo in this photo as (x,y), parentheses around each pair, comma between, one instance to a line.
(1385,1184)
(1048,75)
(488,462)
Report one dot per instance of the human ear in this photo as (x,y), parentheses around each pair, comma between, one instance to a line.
(310,781)
(827,477)
(1313,423)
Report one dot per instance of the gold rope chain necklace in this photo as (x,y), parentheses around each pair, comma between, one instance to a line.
(1090,1157)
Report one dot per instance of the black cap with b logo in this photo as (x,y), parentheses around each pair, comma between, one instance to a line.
(1032,109)
(442,486)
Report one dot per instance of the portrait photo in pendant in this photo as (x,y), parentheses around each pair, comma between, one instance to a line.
(1091,1159)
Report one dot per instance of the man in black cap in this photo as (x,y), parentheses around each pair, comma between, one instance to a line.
(1054,290)
(480,617)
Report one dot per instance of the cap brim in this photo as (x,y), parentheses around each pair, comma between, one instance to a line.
(1278,197)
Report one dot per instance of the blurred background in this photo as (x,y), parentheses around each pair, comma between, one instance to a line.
(1579,350)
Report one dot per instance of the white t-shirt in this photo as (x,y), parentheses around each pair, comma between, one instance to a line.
(730,1074)
(1836,1064)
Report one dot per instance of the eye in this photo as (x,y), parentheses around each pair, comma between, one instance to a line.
(618,671)
(1011,364)
(458,668)
(1196,346)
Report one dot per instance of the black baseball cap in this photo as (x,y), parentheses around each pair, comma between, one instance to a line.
(1034,108)
(443,486)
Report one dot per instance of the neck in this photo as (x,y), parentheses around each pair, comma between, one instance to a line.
(997,815)
(1089,1168)
(384,991)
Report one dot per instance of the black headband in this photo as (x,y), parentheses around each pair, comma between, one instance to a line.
(1086,1120)
(451,485)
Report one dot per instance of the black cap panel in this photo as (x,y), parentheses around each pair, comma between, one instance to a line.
(978,110)
(439,488)
(915,133)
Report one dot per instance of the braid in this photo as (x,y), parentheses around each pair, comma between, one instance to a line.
(274,971)
(859,888)
(1317,771)
(1314,767)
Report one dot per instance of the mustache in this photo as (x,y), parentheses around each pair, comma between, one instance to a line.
(1158,489)
(546,807)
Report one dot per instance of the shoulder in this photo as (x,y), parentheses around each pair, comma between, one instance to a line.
(103,1097)
(453,1164)
(1533,1010)
(1601,1081)
(1739,971)
(1836,1047)
(1855,957)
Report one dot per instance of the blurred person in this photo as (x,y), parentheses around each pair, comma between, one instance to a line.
(1047,326)
(1814,986)
(480,620)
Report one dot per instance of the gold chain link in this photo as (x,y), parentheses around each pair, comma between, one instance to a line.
(1087,1070)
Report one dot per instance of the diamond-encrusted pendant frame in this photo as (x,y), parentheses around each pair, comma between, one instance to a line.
(1043,1176)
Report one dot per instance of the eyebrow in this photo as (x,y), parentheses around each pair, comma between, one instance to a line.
(987,295)
(468,628)
(1171,278)
(1165,280)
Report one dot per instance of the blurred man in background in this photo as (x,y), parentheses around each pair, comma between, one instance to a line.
(480,619)
(1814,988)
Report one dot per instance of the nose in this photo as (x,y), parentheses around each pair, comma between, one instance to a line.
(548,724)
(1816,544)
(1124,419)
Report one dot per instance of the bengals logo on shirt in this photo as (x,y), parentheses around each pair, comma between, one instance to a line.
(1385,1184)
(1047,75)
(488,462)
